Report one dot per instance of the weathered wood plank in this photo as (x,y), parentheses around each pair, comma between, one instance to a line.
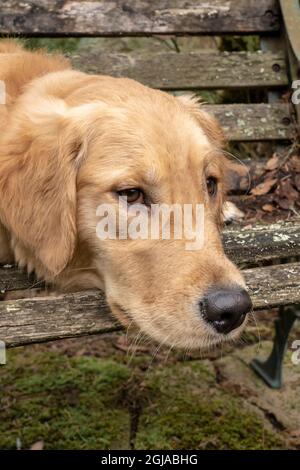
(263,242)
(185,71)
(120,17)
(244,246)
(273,286)
(12,278)
(243,122)
(44,319)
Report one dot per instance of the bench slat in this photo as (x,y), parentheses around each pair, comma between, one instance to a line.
(120,17)
(263,242)
(85,313)
(271,242)
(254,122)
(189,70)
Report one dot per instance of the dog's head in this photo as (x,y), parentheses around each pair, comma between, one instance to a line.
(115,148)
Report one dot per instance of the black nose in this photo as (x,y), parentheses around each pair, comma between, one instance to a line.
(226,308)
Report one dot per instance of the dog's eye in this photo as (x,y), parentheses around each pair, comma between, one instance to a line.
(212,186)
(133,195)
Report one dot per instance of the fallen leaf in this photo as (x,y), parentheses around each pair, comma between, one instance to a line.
(264,187)
(297,182)
(268,208)
(286,169)
(38,445)
(285,203)
(271,175)
(272,163)
(286,195)
(294,163)
(286,190)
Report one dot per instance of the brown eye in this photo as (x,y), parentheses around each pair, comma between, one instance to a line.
(133,195)
(212,186)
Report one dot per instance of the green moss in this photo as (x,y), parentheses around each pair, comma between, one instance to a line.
(188,411)
(67,402)
(63,45)
(240,43)
(85,402)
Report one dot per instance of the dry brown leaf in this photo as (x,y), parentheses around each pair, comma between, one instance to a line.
(294,163)
(285,203)
(286,190)
(286,195)
(38,445)
(297,182)
(272,163)
(268,208)
(264,187)
(270,175)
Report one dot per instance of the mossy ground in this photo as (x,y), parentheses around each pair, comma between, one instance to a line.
(187,410)
(69,403)
(88,402)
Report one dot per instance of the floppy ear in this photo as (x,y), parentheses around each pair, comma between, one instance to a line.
(39,159)
(209,124)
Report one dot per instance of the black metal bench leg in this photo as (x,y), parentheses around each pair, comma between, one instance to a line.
(271,369)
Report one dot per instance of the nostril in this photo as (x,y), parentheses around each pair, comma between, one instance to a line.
(225,316)
(226,308)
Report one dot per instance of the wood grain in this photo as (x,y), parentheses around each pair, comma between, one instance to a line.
(254,122)
(271,242)
(189,70)
(124,18)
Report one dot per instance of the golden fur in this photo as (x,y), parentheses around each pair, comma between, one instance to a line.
(68,140)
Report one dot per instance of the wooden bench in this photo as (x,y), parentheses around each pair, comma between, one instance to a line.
(269,254)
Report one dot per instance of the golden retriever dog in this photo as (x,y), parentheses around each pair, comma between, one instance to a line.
(71,142)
